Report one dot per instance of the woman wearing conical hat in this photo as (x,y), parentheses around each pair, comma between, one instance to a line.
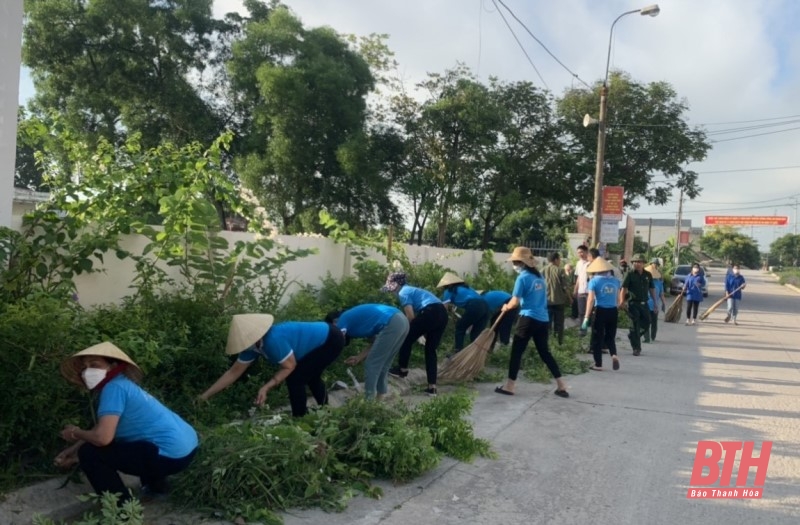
(476,310)
(301,350)
(134,433)
(530,295)
(603,291)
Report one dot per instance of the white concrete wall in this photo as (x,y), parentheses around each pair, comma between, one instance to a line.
(10,58)
(115,280)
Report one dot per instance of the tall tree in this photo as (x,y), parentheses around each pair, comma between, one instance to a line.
(309,149)
(647,138)
(27,172)
(786,249)
(730,245)
(110,68)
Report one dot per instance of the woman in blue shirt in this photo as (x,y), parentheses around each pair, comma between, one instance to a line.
(734,284)
(495,299)
(427,317)
(693,290)
(603,289)
(386,328)
(134,433)
(476,311)
(530,295)
(302,350)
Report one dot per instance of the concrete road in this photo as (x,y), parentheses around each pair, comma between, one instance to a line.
(621,449)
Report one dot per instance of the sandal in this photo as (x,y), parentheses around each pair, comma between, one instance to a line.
(597,368)
(501,390)
(561,393)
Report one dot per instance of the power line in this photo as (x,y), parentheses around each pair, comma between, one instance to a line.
(751,128)
(750,169)
(754,135)
(747,121)
(520,44)
(539,41)
(770,206)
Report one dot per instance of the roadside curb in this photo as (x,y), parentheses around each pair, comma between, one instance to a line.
(787,285)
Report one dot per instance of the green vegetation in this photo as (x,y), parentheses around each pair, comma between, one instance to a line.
(789,276)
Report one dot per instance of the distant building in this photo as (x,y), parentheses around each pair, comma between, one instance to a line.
(656,232)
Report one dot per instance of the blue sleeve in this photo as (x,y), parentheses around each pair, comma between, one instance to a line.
(405,296)
(112,401)
(447,296)
(278,350)
(518,287)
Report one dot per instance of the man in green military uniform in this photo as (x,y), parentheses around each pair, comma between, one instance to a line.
(637,286)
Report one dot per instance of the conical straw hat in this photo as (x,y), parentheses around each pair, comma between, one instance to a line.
(599,265)
(72,367)
(245,330)
(653,271)
(448,279)
(524,255)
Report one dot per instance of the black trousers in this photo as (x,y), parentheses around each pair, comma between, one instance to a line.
(309,371)
(476,315)
(431,322)
(556,314)
(503,330)
(527,329)
(653,325)
(138,458)
(604,331)
(691,309)
(640,323)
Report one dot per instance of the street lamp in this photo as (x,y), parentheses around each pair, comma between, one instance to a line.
(651,10)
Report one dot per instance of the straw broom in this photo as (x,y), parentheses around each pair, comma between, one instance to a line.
(716,305)
(468,363)
(673,314)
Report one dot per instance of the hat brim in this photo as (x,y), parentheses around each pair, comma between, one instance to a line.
(245,330)
(72,367)
(449,279)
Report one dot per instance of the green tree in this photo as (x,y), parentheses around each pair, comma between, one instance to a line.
(110,68)
(27,172)
(647,138)
(786,249)
(730,245)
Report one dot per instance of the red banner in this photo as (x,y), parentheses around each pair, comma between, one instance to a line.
(613,202)
(747,220)
(684,240)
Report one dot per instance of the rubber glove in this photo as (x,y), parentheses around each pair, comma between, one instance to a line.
(585,324)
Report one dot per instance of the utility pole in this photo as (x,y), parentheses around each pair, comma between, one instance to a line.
(795,214)
(678,229)
(649,234)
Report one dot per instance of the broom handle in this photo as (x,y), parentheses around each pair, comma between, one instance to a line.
(497,322)
(733,292)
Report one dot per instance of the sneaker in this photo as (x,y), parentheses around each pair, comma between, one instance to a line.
(728,318)
(395,371)
(688,322)
(431,391)
(736,322)
(637,352)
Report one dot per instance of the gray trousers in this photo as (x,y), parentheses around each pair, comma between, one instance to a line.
(384,349)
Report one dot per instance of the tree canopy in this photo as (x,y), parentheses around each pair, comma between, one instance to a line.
(730,245)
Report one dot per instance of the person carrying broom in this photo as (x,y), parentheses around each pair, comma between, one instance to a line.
(530,295)
(603,291)
(495,299)
(660,301)
(476,311)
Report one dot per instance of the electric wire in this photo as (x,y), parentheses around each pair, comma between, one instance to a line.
(521,46)
(575,75)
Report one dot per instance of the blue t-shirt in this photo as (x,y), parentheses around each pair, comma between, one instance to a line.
(417,298)
(143,418)
(366,320)
(495,299)
(460,295)
(606,291)
(659,286)
(532,293)
(694,287)
(285,339)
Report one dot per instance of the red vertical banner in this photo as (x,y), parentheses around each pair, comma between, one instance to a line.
(684,239)
(613,202)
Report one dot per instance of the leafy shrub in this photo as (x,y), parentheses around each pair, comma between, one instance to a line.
(445,419)
(129,513)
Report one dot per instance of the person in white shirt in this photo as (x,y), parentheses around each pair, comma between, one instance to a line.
(582,281)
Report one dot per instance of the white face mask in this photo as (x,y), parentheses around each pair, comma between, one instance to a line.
(736,271)
(93,376)
(518,269)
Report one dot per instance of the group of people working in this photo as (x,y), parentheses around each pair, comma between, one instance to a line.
(138,435)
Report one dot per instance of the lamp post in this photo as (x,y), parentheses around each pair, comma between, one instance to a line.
(651,10)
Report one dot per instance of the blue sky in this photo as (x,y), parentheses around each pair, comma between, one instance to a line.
(733,60)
